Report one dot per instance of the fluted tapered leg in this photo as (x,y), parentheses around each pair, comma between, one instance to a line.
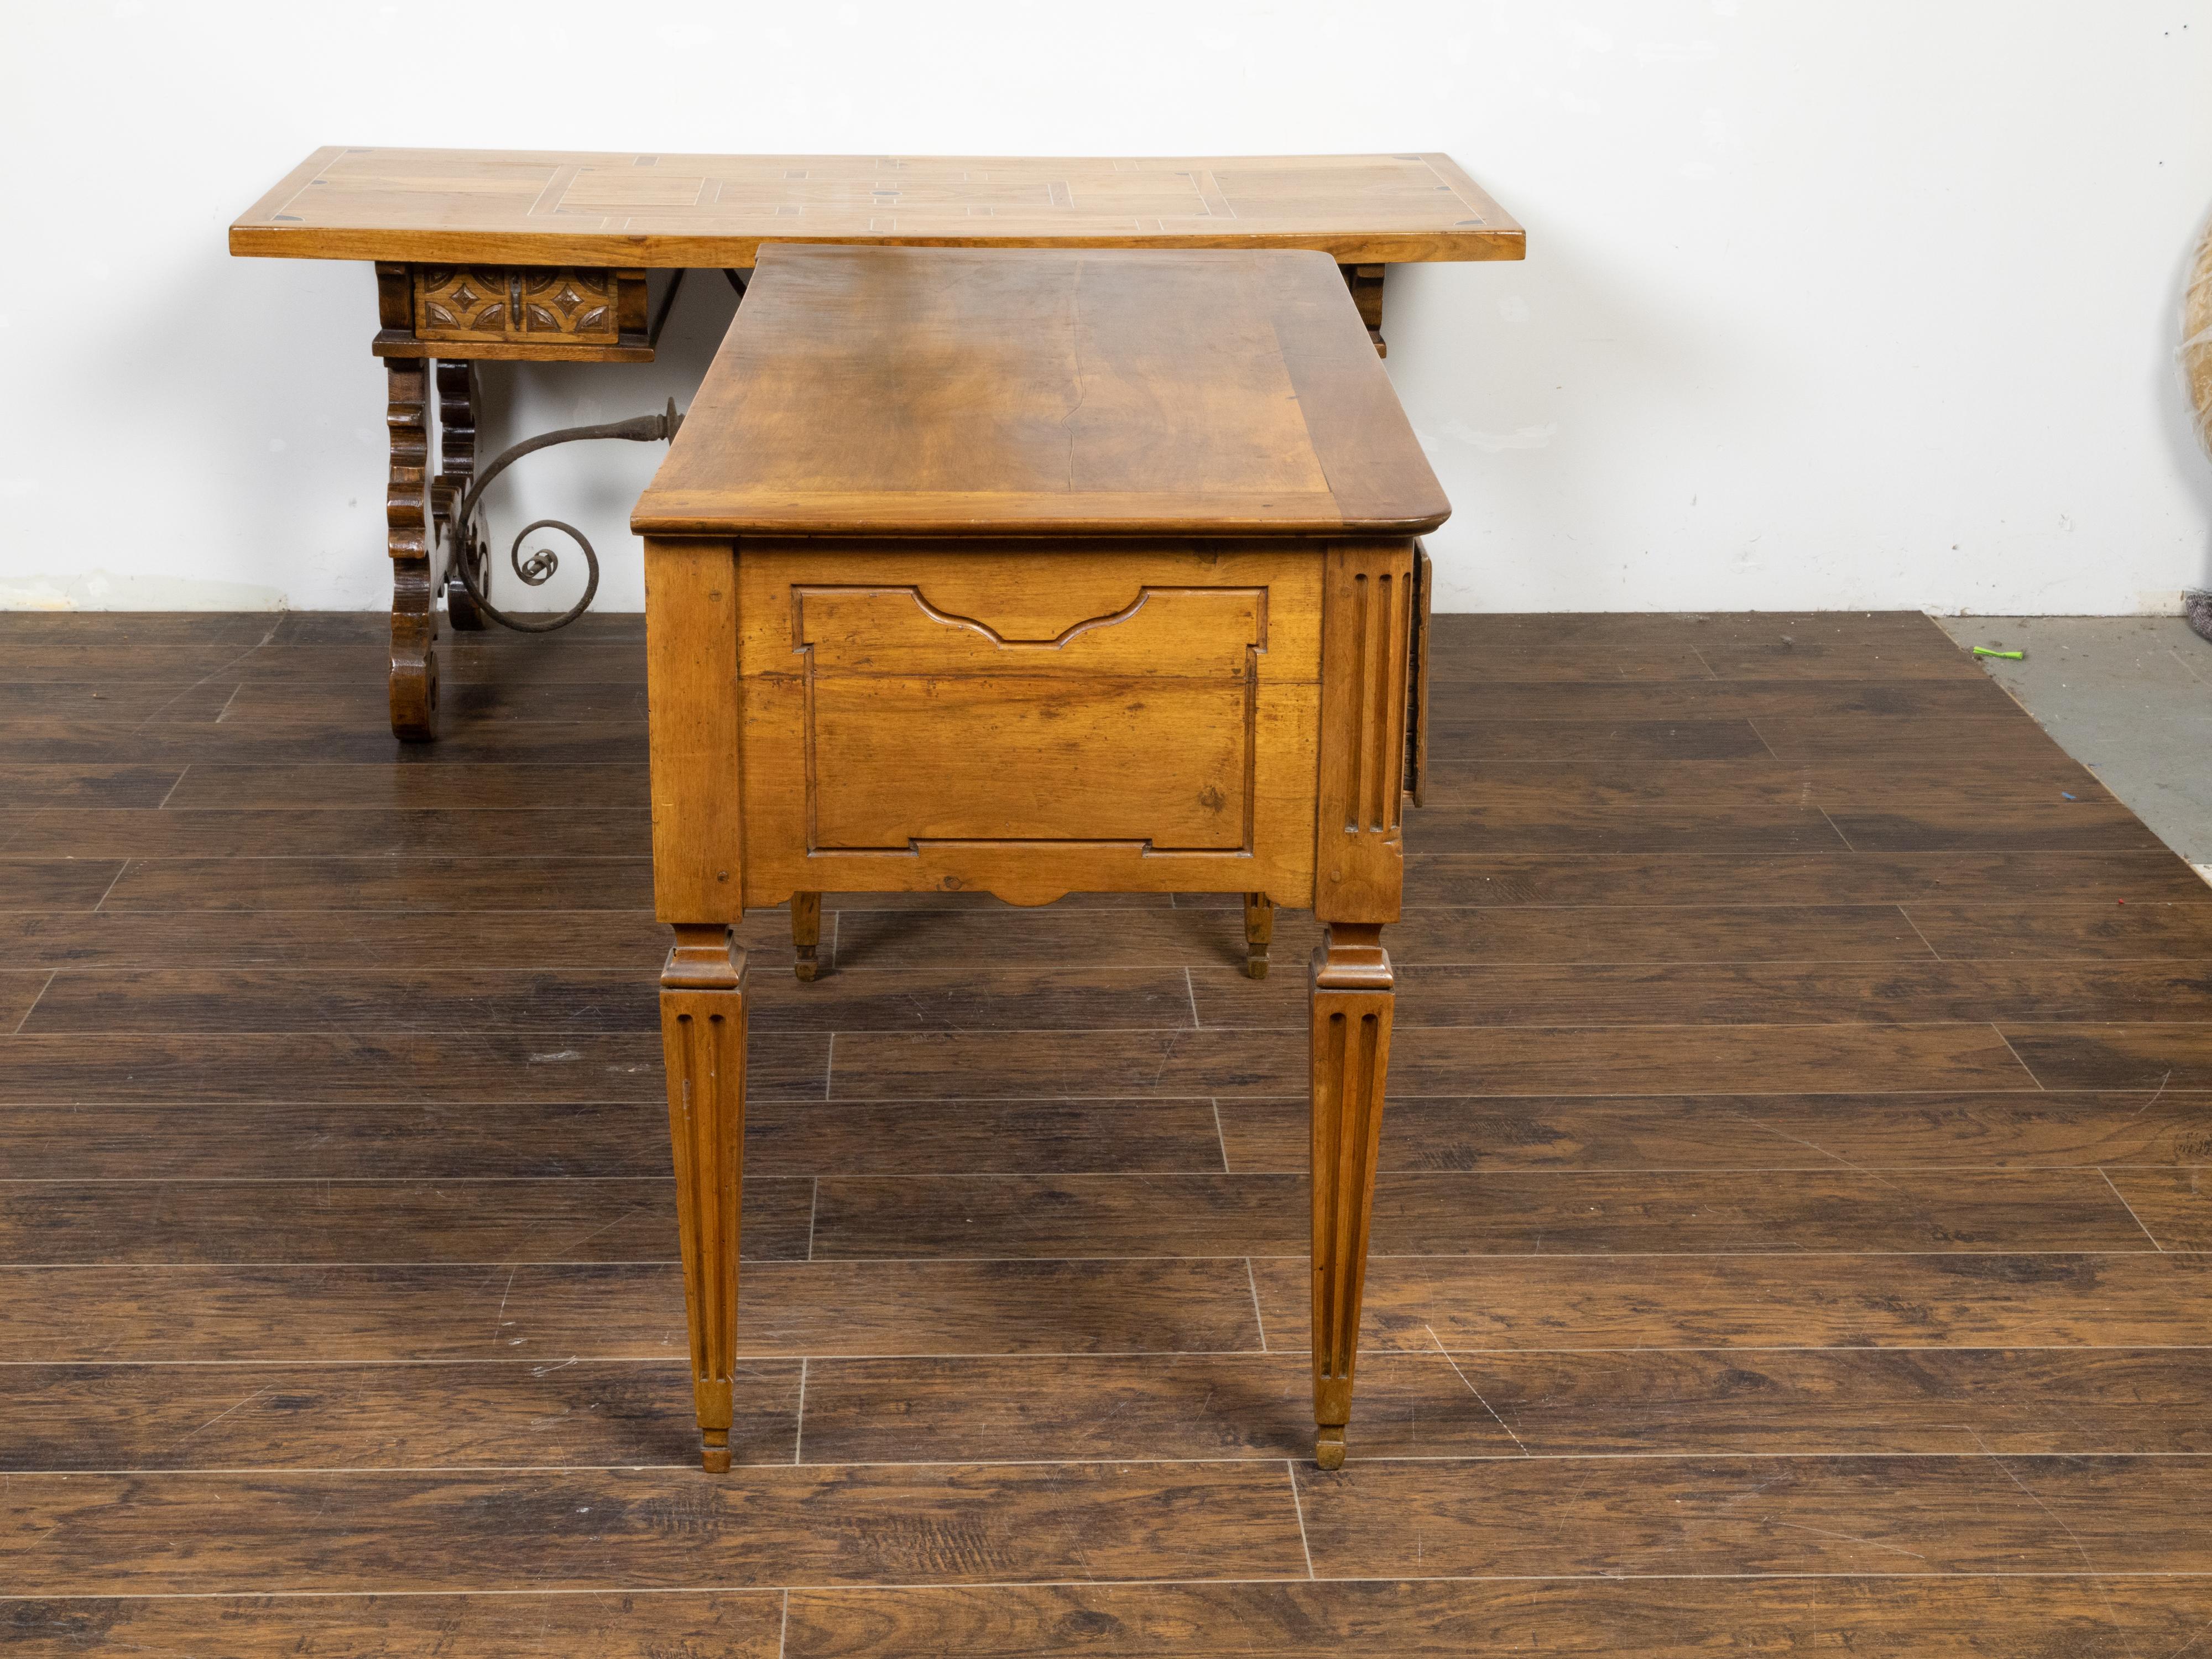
(1350,1001)
(703,1034)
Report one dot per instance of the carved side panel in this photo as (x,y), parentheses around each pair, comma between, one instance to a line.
(959,717)
(1367,636)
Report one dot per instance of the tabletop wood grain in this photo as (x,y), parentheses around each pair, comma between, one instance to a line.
(944,391)
(551,207)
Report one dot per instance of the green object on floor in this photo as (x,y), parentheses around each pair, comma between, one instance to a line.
(2009,656)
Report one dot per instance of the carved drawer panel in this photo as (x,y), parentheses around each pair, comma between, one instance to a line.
(474,303)
(1149,709)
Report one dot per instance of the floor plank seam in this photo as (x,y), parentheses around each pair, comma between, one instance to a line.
(1476,1392)
(2130,1208)
(1702,1457)
(123,866)
(754,1357)
(2124,1092)
(798,1419)
(2073,1537)
(1771,1253)
(1221,975)
(2034,1077)
(847,1587)
(1134,1176)
(32,1008)
(1905,911)
(1297,1506)
(213,673)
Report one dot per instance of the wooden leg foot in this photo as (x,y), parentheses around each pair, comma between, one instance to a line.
(1351,1001)
(703,1034)
(1259,933)
(461,611)
(414,685)
(805,932)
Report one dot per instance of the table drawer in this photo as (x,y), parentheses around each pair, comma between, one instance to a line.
(546,313)
(913,716)
(470,303)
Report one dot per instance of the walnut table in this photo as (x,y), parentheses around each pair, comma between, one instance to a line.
(547,256)
(1033,571)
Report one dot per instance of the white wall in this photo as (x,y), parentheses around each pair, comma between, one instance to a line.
(1865,304)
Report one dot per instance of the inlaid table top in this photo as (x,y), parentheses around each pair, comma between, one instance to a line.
(554,207)
(1048,391)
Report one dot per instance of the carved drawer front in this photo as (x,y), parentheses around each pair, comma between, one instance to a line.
(475,303)
(1163,707)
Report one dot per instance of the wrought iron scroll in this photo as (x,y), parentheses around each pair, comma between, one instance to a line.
(470,552)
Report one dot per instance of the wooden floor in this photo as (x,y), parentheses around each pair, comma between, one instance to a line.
(1793,1233)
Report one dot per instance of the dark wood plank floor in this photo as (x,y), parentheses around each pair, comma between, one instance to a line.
(1793,1232)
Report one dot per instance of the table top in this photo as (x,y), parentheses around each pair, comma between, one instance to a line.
(1060,392)
(556,207)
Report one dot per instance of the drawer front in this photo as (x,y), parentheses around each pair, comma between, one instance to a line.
(475,303)
(1033,723)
